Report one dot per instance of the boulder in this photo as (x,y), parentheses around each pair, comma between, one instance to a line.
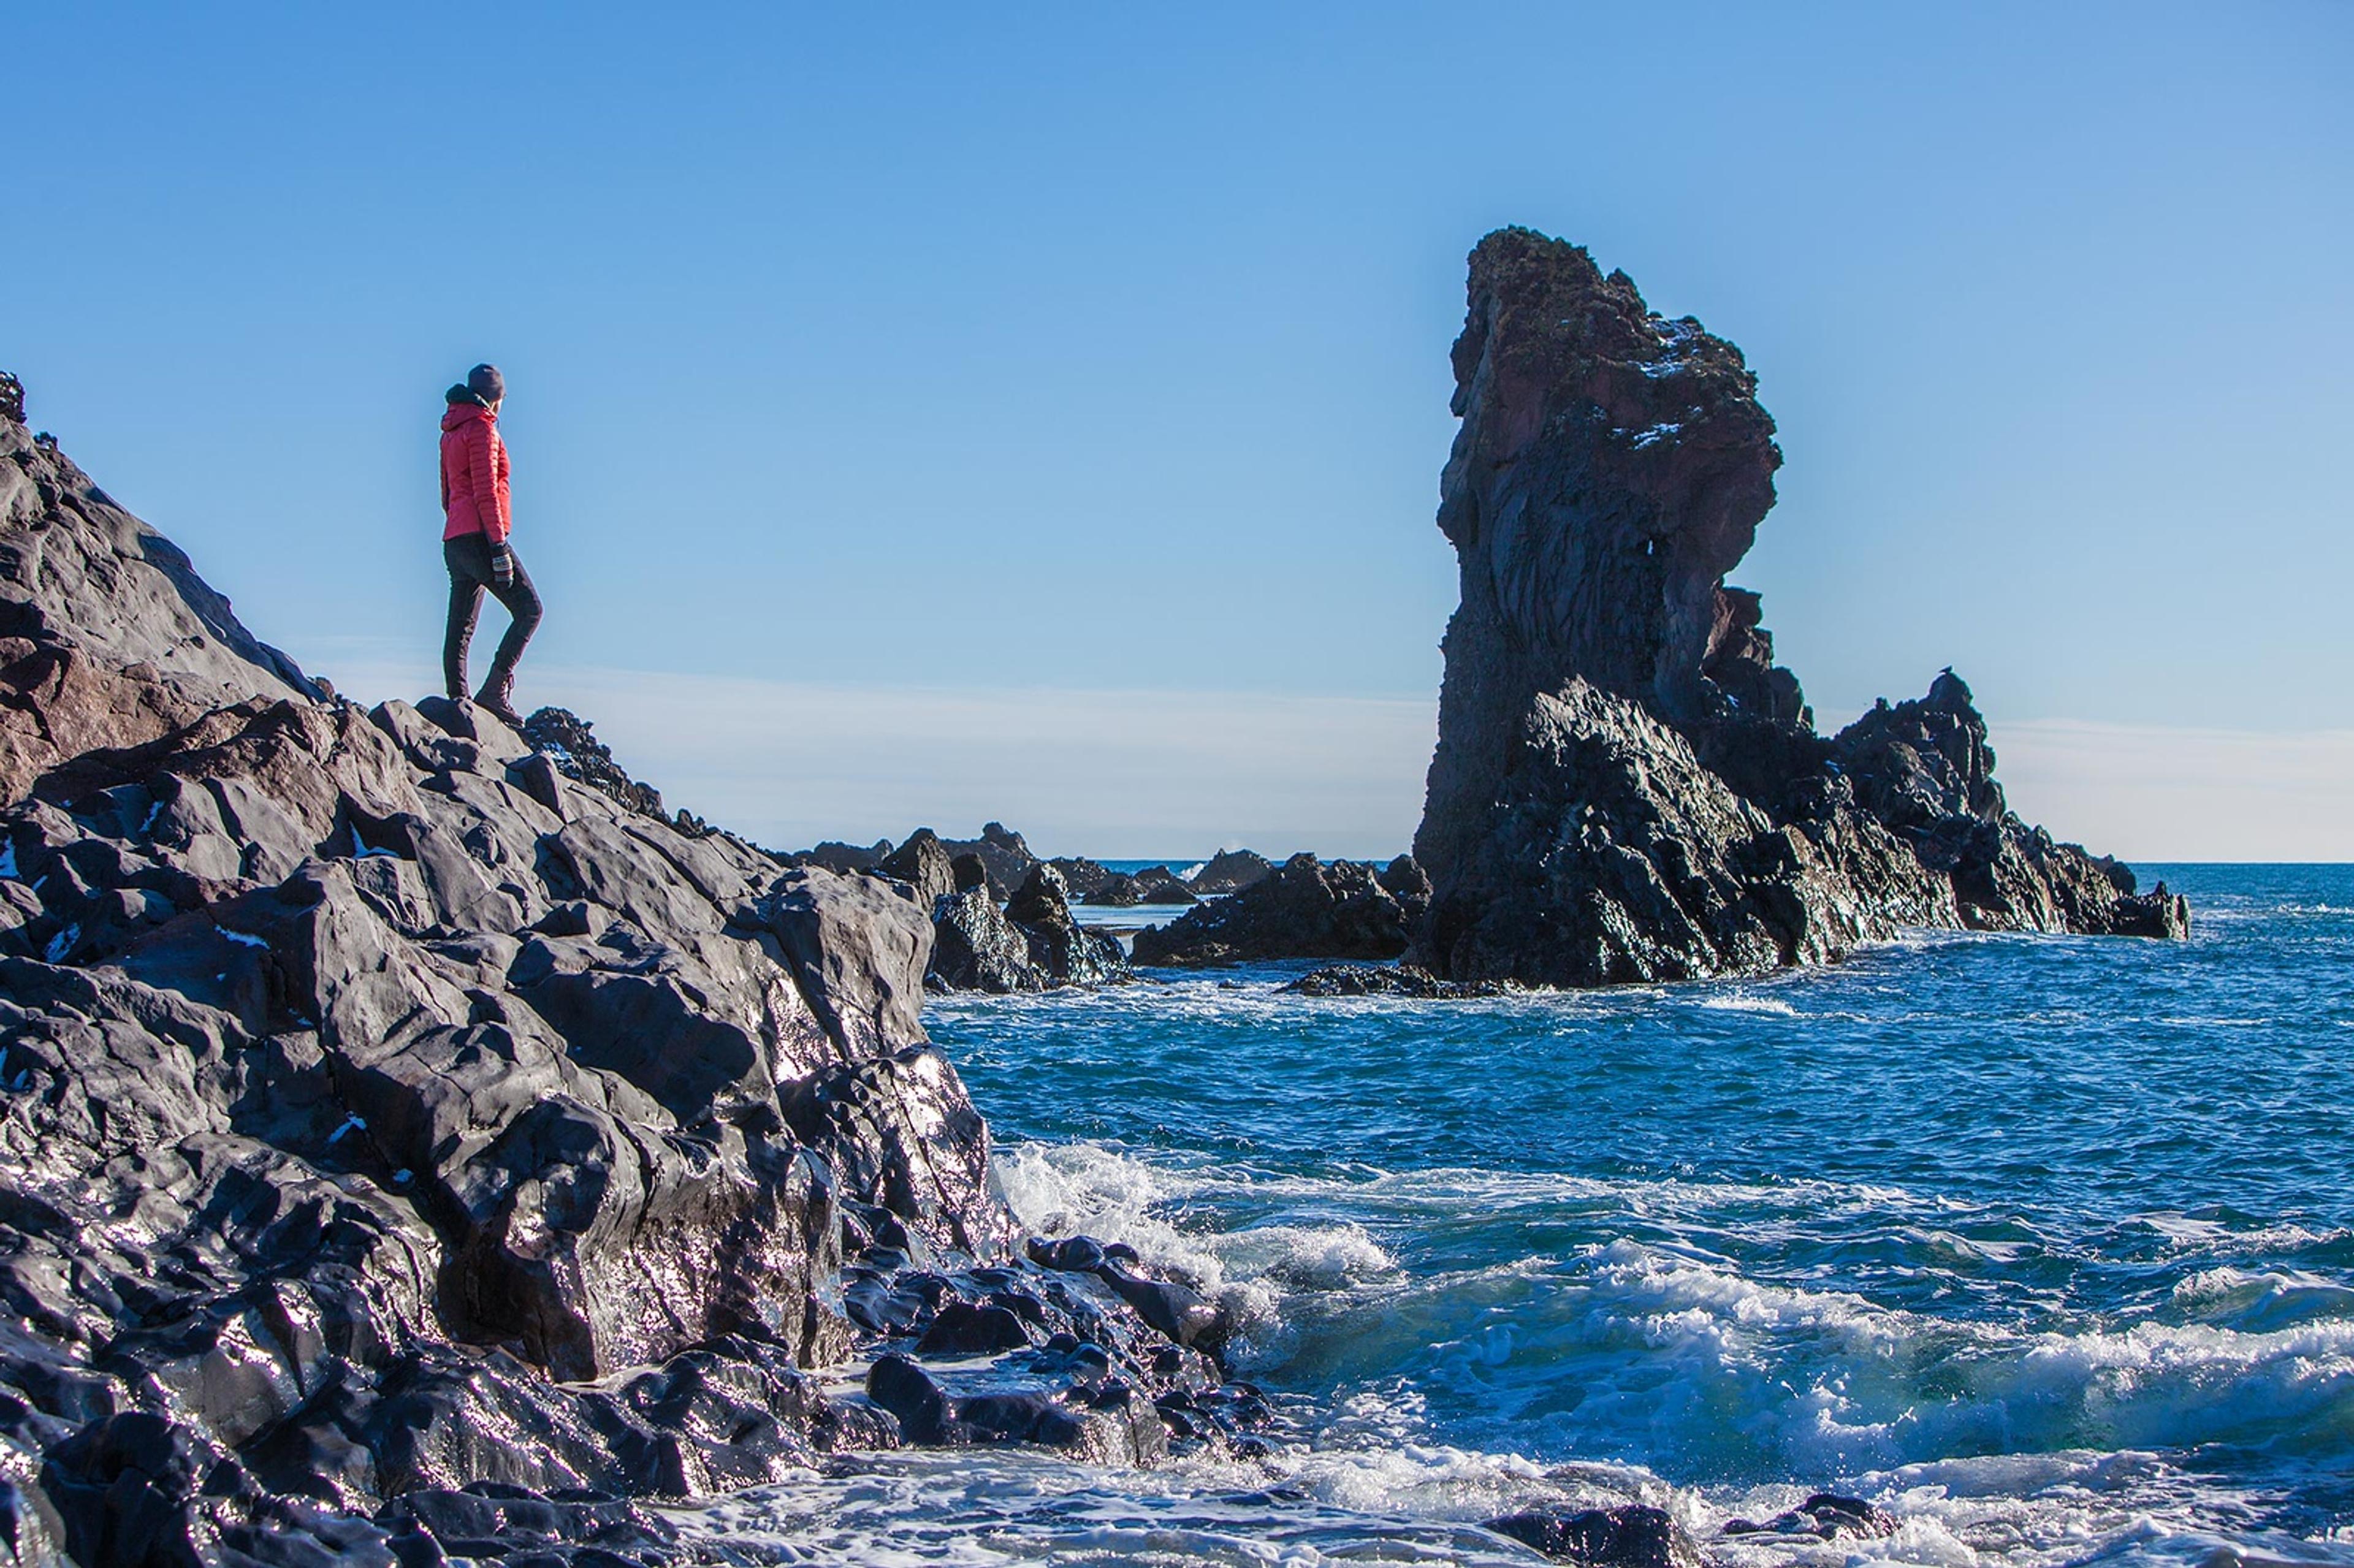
(1062,949)
(1630,1536)
(1308,909)
(975,947)
(1003,851)
(1827,1516)
(923,863)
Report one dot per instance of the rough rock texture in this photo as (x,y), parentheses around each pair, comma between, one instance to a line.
(1307,909)
(1827,1516)
(1003,851)
(107,635)
(567,740)
(1632,1536)
(1118,890)
(1389,979)
(924,863)
(1060,947)
(1626,787)
(403,1142)
(1231,871)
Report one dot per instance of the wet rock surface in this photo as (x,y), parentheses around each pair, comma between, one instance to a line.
(413,1148)
(1627,787)
(1826,1516)
(1632,1536)
(1308,909)
(1392,979)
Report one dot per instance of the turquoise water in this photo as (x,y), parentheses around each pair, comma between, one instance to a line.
(2045,1245)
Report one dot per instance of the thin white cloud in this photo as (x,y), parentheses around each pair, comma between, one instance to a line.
(2162,793)
(1130,773)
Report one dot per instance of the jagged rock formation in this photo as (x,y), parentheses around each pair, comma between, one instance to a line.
(1231,871)
(1307,909)
(1626,787)
(1153,884)
(1001,851)
(407,1142)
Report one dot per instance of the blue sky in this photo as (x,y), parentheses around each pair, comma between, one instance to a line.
(943,372)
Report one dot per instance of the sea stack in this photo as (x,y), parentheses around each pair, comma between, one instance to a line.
(1627,787)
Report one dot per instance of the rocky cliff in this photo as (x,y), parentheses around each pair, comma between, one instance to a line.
(1627,787)
(410,1138)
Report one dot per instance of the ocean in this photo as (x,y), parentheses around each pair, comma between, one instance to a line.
(2043,1245)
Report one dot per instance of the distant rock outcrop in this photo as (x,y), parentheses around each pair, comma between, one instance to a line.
(1230,871)
(1627,787)
(1307,909)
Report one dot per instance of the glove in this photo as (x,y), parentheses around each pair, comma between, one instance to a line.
(503,565)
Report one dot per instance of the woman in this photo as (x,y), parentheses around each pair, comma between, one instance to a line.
(474,540)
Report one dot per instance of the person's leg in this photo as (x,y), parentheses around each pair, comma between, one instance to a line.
(468,577)
(522,601)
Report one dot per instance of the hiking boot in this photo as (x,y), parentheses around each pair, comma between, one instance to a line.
(495,698)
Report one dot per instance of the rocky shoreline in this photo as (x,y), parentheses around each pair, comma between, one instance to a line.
(420,1145)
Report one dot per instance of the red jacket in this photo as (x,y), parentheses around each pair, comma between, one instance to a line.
(474,474)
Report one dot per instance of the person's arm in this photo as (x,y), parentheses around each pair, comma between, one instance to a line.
(441,466)
(482,455)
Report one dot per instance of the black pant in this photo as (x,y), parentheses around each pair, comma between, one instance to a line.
(468,558)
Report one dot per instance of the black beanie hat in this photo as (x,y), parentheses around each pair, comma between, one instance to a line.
(485,382)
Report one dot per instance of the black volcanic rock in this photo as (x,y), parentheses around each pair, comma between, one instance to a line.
(1062,948)
(1626,787)
(1631,1536)
(1084,878)
(924,863)
(1158,885)
(570,742)
(1153,884)
(401,1138)
(836,855)
(1826,1516)
(1231,871)
(975,947)
(1386,980)
(1001,850)
(1308,909)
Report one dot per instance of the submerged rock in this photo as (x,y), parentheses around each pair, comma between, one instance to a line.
(1626,787)
(1631,1536)
(1387,980)
(1827,1516)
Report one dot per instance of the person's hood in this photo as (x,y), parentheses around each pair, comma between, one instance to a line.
(465,408)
